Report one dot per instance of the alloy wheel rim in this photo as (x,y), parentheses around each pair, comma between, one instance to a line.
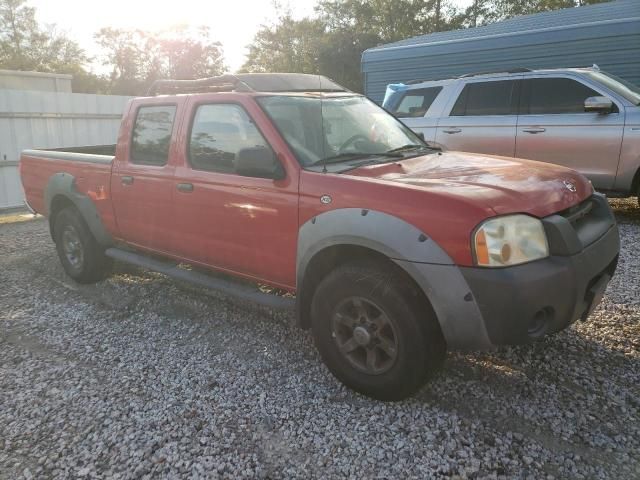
(365,335)
(72,247)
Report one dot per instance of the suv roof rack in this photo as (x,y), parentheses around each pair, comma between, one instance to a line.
(489,72)
(248,82)
(512,70)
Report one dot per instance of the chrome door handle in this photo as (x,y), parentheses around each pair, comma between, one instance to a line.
(534,130)
(126,180)
(185,187)
(452,130)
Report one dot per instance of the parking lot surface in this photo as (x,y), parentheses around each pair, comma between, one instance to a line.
(141,375)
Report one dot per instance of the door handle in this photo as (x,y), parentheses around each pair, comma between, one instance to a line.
(185,187)
(534,130)
(126,180)
(452,130)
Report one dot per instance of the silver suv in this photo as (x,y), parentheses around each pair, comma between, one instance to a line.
(582,118)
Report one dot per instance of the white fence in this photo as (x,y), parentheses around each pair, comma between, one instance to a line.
(35,119)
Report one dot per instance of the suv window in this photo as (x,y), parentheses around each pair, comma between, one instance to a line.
(218,133)
(557,95)
(152,135)
(415,103)
(487,98)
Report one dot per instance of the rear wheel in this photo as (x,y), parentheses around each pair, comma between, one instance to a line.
(374,333)
(80,254)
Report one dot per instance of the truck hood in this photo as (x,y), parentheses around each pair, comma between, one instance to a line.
(505,185)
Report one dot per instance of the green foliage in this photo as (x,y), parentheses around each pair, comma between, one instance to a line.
(137,58)
(134,58)
(26,45)
(290,46)
(333,40)
(509,8)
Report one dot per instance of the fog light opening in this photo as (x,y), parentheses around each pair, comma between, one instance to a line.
(539,324)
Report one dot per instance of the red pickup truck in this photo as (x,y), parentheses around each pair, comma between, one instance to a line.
(396,251)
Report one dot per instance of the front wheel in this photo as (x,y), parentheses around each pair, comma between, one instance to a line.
(80,254)
(373,331)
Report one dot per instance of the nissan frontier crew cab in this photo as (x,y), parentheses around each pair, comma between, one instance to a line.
(395,251)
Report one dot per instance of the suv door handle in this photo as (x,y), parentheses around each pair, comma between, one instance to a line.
(534,130)
(452,130)
(126,180)
(185,187)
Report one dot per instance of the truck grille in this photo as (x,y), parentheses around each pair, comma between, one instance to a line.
(578,212)
(590,219)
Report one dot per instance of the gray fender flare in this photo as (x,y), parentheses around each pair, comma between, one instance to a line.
(414,251)
(65,184)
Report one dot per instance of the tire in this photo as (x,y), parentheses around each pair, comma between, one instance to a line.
(398,327)
(80,254)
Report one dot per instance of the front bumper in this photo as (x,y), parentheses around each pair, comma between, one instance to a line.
(479,308)
(521,303)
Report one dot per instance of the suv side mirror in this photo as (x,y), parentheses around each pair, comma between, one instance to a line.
(598,104)
(259,162)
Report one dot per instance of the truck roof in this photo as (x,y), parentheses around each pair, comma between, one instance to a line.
(249,82)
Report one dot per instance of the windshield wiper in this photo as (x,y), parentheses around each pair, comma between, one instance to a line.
(409,146)
(341,157)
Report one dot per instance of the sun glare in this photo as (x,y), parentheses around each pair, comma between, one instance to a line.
(232,23)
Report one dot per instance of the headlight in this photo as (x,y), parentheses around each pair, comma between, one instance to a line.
(509,240)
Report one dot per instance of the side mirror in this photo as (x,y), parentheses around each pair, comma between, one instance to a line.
(598,104)
(259,162)
(421,136)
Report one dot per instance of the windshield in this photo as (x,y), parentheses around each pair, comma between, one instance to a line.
(324,128)
(626,89)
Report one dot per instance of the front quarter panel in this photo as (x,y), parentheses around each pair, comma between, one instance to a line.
(417,254)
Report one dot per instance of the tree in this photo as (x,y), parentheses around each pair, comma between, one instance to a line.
(25,45)
(332,42)
(389,20)
(480,12)
(289,46)
(127,58)
(186,53)
(509,8)
(137,58)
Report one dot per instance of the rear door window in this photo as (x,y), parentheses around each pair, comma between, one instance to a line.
(151,135)
(416,103)
(556,95)
(487,98)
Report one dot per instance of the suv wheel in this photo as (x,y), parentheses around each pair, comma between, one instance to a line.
(81,256)
(373,333)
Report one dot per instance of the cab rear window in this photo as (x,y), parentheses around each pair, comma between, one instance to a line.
(152,134)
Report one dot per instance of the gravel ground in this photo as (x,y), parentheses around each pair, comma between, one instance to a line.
(142,376)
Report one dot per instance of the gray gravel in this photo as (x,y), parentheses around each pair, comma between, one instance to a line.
(141,376)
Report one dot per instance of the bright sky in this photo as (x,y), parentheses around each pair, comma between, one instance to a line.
(233,22)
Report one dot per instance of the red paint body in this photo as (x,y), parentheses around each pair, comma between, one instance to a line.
(249,226)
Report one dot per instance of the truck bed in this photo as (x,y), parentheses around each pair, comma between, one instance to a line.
(89,165)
